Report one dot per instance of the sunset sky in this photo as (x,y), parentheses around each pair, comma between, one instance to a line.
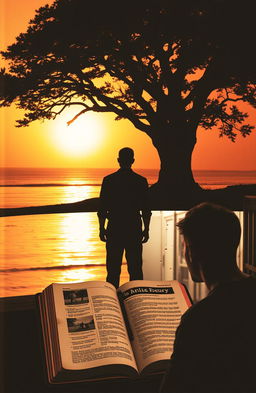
(94,140)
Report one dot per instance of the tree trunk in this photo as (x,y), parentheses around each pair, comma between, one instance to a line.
(175,150)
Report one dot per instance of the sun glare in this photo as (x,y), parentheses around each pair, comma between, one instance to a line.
(84,135)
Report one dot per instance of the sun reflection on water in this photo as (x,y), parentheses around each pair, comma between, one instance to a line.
(75,192)
(76,182)
(79,245)
(77,238)
(77,275)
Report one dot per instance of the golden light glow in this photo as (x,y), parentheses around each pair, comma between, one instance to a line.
(83,136)
(76,239)
(76,275)
(74,193)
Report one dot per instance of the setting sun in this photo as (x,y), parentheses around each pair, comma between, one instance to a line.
(83,136)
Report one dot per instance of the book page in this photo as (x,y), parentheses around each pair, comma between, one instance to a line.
(91,327)
(154,309)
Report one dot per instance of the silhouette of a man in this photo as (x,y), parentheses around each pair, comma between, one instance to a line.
(124,205)
(215,346)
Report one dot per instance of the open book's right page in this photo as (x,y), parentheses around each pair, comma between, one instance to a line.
(154,309)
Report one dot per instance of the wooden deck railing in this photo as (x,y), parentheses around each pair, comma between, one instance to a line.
(249,257)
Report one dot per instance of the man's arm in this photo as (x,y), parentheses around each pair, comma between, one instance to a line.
(102,212)
(146,214)
(102,230)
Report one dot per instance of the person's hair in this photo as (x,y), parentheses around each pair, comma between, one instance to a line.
(211,228)
(126,156)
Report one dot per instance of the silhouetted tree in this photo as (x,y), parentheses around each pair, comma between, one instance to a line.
(168,66)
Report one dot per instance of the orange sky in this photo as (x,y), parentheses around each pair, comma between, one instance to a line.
(40,144)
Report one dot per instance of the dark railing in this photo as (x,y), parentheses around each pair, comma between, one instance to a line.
(249,257)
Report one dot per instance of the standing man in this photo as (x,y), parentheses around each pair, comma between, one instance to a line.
(215,346)
(124,205)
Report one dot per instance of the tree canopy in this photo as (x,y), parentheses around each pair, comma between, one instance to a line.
(151,62)
(168,66)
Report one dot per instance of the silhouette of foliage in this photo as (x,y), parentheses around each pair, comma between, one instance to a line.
(167,66)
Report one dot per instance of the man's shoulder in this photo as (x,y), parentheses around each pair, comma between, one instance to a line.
(139,177)
(197,309)
(235,296)
(124,174)
(110,176)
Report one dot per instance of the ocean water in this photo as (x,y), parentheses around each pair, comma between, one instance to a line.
(40,249)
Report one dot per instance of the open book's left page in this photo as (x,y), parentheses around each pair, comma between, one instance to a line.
(90,326)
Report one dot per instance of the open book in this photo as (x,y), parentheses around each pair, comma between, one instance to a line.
(92,331)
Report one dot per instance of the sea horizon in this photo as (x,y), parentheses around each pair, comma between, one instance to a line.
(99,171)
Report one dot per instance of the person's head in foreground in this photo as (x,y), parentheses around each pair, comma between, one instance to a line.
(212,235)
(126,157)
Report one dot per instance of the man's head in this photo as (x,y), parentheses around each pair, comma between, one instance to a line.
(212,234)
(126,157)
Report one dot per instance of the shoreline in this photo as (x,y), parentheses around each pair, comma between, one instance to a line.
(230,196)
(87,205)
